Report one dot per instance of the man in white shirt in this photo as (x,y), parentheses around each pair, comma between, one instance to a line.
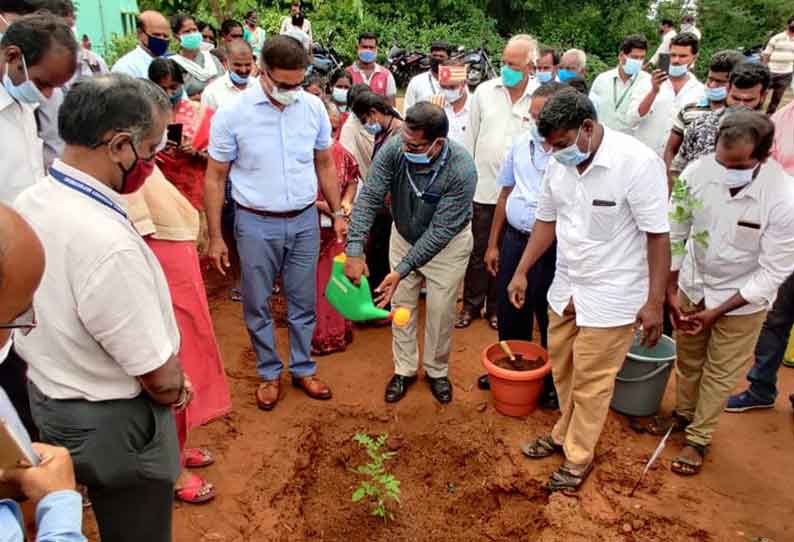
(669,93)
(688,25)
(30,77)
(104,372)
(605,202)
(499,112)
(738,248)
(424,86)
(296,20)
(154,35)
(520,183)
(238,78)
(616,93)
(667,31)
(454,99)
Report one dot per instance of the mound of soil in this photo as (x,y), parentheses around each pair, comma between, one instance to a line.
(519,363)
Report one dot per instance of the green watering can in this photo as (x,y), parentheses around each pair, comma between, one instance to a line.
(355,302)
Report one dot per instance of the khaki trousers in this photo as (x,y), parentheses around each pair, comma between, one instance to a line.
(584,363)
(708,367)
(442,274)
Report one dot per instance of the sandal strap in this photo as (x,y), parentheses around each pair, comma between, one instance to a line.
(699,448)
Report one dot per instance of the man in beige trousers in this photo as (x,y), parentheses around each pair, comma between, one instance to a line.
(605,201)
(720,290)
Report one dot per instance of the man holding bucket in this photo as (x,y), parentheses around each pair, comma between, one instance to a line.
(719,298)
(604,200)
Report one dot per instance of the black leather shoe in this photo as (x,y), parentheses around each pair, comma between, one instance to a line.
(441,388)
(484,383)
(397,386)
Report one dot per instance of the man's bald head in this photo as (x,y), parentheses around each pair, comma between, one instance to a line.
(239,47)
(21,266)
(154,23)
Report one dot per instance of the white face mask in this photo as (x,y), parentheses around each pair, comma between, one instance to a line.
(452,95)
(735,178)
(284,97)
(6,348)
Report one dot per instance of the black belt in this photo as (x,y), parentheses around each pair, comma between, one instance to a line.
(516,231)
(272,214)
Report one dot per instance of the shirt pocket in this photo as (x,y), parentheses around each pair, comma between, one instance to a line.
(603,216)
(746,236)
(302,161)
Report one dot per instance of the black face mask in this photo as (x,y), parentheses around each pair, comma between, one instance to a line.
(297,20)
(434,64)
(791,28)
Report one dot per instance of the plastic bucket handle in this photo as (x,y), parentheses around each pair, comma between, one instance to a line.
(645,377)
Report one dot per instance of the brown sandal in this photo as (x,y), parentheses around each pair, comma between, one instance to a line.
(660,424)
(687,467)
(541,448)
(463,320)
(566,479)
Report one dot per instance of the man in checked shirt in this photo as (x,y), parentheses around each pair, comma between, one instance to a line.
(431,180)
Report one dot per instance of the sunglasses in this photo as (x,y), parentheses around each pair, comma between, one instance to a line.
(283,86)
(26,322)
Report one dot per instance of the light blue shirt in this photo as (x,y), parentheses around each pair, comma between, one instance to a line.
(59,518)
(135,63)
(271,151)
(523,169)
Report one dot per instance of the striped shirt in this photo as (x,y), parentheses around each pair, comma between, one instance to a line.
(781,53)
(689,114)
(428,226)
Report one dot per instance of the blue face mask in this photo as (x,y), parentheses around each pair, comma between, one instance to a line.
(191,41)
(367,56)
(176,98)
(572,156)
(533,131)
(236,79)
(374,128)
(678,70)
(566,75)
(421,158)
(544,77)
(511,77)
(632,66)
(718,94)
(25,92)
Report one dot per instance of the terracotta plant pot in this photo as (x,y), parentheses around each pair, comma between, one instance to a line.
(516,393)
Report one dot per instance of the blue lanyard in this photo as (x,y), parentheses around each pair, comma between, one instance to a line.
(83,188)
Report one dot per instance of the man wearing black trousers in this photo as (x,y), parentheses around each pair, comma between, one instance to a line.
(520,184)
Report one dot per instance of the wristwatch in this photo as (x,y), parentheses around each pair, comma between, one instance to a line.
(340,213)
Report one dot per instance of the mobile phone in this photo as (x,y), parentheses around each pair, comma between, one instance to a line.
(175,133)
(664,63)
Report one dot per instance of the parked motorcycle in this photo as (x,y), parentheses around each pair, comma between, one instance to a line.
(325,60)
(405,65)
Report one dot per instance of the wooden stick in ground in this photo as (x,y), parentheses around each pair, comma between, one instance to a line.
(507,350)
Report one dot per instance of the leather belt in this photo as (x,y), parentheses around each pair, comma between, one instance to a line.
(272,214)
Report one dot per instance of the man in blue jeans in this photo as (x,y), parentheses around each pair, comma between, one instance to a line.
(274,145)
(769,351)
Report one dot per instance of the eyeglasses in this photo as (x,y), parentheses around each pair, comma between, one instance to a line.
(25,322)
(282,86)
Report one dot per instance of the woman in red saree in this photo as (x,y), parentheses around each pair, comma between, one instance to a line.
(333,333)
(184,163)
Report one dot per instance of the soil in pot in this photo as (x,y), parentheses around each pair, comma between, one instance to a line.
(520,363)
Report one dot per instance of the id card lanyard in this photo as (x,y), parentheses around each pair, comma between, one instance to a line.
(86,190)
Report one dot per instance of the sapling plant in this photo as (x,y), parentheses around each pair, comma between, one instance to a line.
(684,207)
(379,487)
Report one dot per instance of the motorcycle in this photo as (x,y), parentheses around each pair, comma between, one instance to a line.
(405,65)
(325,60)
(752,54)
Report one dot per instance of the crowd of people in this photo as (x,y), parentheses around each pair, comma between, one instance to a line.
(534,200)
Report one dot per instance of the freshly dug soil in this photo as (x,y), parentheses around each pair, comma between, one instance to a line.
(520,363)
(284,476)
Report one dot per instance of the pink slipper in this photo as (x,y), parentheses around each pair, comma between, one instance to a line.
(195,458)
(196,491)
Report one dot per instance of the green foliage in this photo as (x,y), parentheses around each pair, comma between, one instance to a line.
(379,487)
(120,46)
(685,205)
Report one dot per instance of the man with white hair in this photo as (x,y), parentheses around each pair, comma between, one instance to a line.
(572,65)
(499,111)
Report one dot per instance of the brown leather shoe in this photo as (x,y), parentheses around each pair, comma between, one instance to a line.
(268,393)
(313,387)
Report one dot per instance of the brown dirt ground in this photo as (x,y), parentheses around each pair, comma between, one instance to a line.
(284,476)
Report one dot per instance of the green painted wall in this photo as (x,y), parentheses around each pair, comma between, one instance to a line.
(102,19)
